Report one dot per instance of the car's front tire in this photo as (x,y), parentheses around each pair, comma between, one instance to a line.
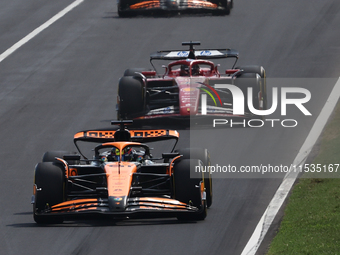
(204,156)
(49,180)
(187,190)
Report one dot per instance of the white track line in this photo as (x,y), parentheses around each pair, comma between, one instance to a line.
(39,29)
(287,183)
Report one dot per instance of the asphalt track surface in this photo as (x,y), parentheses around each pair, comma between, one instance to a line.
(65,80)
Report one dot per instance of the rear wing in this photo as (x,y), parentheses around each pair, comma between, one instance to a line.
(193,54)
(142,136)
(199,54)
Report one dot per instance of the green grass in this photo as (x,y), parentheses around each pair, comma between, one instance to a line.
(311,222)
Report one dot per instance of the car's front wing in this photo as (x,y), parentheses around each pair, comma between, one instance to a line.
(136,205)
(173,5)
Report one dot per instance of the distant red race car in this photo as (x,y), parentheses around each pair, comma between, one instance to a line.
(128,8)
(191,86)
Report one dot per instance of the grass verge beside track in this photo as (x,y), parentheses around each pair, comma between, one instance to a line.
(311,222)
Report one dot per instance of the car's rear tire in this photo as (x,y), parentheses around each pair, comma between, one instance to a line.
(187,189)
(49,179)
(131,97)
(204,156)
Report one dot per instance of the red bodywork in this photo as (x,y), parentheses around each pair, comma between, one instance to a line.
(189,85)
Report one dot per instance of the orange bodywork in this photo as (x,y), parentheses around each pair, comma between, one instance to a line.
(163,202)
(146,5)
(77,205)
(156,4)
(119,177)
(204,4)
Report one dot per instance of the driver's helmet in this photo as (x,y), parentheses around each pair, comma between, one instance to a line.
(130,154)
(114,155)
(127,154)
(195,70)
(184,70)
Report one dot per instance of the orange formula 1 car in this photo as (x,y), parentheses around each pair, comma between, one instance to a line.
(122,179)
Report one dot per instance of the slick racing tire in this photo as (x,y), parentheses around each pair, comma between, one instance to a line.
(187,189)
(204,156)
(50,156)
(131,97)
(49,181)
(263,87)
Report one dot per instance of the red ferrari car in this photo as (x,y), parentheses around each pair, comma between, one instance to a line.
(191,86)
